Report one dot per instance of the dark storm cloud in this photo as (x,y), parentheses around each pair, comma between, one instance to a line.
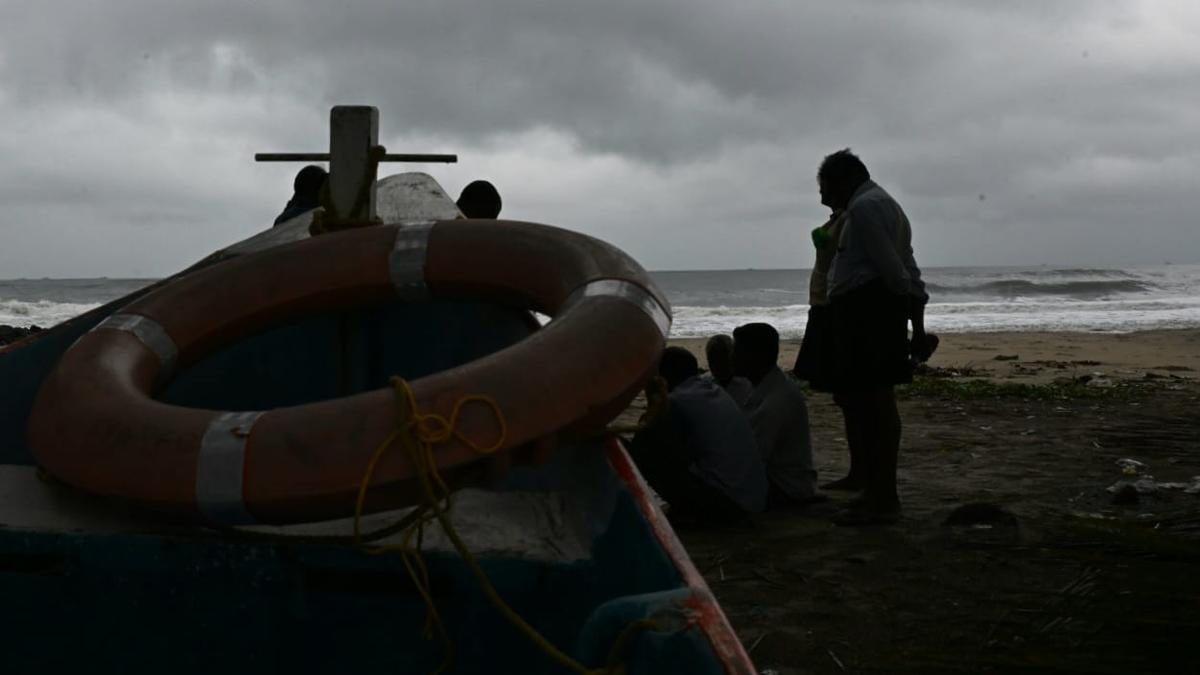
(664,80)
(708,118)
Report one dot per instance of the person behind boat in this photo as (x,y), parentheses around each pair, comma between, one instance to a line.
(874,291)
(306,193)
(700,454)
(810,366)
(479,199)
(778,415)
(719,353)
(813,362)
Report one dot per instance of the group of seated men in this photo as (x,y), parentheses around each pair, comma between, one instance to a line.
(732,441)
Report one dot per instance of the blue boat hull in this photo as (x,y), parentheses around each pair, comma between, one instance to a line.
(155,599)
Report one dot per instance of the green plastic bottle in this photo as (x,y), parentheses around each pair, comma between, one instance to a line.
(821,237)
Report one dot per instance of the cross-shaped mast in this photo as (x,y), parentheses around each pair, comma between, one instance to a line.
(354,156)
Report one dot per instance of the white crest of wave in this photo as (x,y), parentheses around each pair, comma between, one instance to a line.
(44,313)
(968,317)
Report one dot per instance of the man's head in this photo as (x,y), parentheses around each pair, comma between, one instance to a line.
(479,200)
(676,365)
(839,176)
(755,350)
(308,184)
(719,352)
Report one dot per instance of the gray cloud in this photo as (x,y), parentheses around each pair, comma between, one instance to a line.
(129,126)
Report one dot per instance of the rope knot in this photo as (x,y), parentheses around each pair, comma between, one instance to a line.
(418,433)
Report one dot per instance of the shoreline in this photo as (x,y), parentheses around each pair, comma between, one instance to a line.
(1043,357)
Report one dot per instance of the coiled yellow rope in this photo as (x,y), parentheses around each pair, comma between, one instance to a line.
(418,433)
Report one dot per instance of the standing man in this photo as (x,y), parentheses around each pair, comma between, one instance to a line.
(875,290)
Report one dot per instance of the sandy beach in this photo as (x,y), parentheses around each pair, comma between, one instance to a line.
(1045,357)
(1019,550)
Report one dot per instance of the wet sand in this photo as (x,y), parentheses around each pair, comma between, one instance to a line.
(1054,574)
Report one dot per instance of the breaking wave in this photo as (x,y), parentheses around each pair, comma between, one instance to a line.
(1012,288)
(44,313)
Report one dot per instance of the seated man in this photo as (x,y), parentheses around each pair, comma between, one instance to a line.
(700,455)
(719,352)
(479,199)
(778,414)
(306,193)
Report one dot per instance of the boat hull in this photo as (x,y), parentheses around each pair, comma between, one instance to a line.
(98,586)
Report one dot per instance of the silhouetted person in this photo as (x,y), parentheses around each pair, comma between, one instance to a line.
(874,290)
(306,193)
(479,199)
(719,353)
(812,360)
(700,454)
(778,414)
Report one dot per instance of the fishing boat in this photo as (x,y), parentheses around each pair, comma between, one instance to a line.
(357,452)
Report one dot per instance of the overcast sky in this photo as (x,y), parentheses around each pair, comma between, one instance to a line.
(686,132)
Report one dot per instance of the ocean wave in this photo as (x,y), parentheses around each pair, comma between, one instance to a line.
(1081,272)
(44,313)
(1025,288)
(967,317)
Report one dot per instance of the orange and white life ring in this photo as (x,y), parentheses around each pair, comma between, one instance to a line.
(96,425)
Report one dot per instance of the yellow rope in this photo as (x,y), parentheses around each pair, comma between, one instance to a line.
(418,433)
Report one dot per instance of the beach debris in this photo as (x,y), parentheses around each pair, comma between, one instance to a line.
(1006,357)
(1146,485)
(980,516)
(1092,515)
(1102,382)
(763,576)
(750,649)
(1126,495)
(1143,486)
(1130,466)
